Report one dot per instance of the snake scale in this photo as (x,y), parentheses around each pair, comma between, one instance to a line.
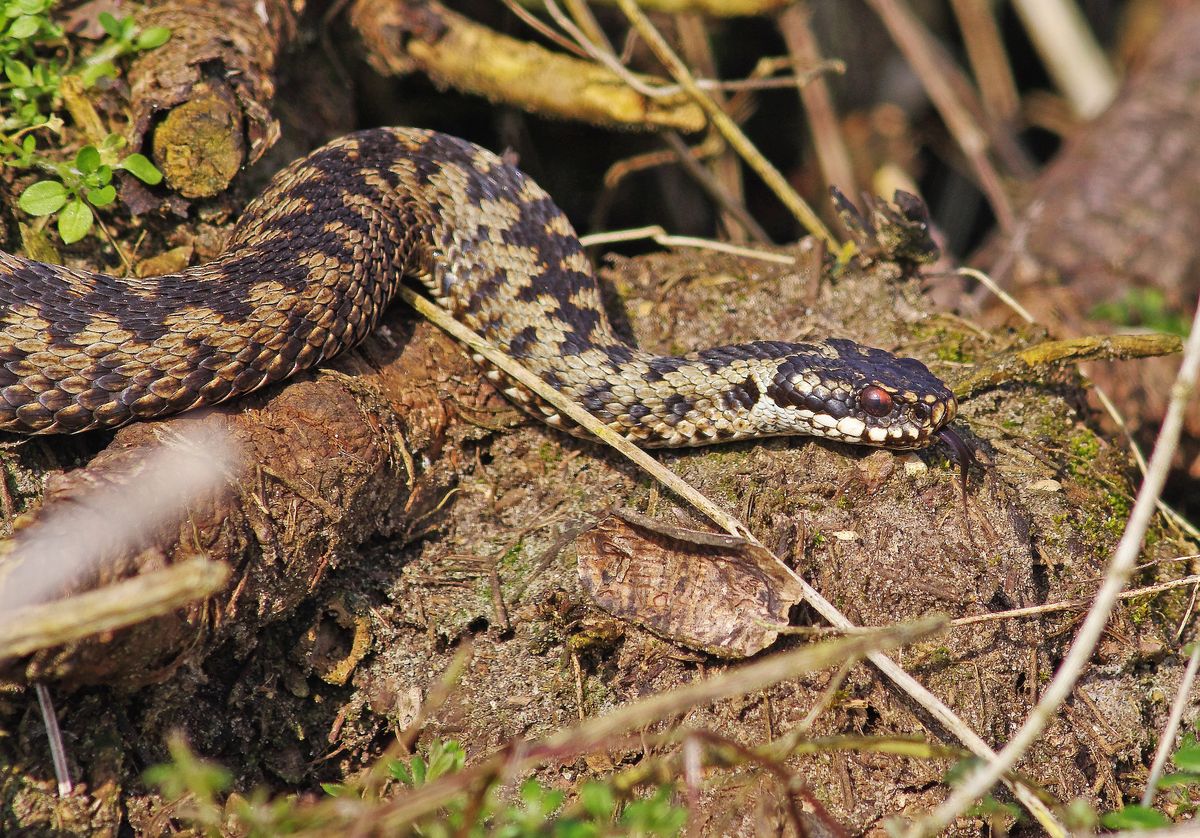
(315,260)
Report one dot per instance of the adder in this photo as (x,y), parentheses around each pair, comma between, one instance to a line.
(315,260)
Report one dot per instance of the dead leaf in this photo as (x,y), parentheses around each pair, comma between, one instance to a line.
(714,593)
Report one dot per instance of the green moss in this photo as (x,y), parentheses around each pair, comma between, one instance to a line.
(950,344)
(940,656)
(1140,610)
(1144,307)
(1084,447)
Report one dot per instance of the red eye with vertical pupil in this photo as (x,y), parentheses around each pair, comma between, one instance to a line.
(876,401)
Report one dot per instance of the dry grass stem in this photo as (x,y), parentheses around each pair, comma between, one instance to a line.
(1067,47)
(923,53)
(1071,605)
(545,30)
(728,128)
(110,608)
(600,731)
(1004,297)
(989,61)
(1116,576)
(58,751)
(731,204)
(830,145)
(660,236)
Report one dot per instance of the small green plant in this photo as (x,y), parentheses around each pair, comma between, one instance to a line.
(84,183)
(29,84)
(1146,307)
(1181,783)
(36,57)
(193,780)
(1135,816)
(996,812)
(443,758)
(468,806)
(124,38)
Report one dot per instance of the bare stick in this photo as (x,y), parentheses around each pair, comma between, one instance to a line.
(58,752)
(830,145)
(728,128)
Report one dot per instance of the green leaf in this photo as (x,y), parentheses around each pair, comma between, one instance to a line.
(141,168)
(1135,817)
(152,38)
(1186,778)
(110,24)
(102,197)
(399,770)
(24,27)
(87,159)
(597,799)
(30,7)
(95,72)
(113,142)
(98,178)
(1187,758)
(445,758)
(43,198)
(18,73)
(74,221)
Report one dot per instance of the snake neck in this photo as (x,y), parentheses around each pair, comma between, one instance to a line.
(505,261)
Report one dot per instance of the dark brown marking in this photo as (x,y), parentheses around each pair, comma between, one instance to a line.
(522,342)
(743,395)
(659,367)
(677,405)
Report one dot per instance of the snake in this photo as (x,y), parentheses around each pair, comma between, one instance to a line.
(316,258)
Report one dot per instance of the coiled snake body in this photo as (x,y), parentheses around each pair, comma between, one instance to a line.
(318,256)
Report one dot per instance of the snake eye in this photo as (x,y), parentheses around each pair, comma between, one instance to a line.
(876,401)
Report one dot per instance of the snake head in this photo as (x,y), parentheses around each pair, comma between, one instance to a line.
(851,393)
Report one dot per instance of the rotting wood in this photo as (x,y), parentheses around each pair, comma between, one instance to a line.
(210,87)
(402,37)
(323,463)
